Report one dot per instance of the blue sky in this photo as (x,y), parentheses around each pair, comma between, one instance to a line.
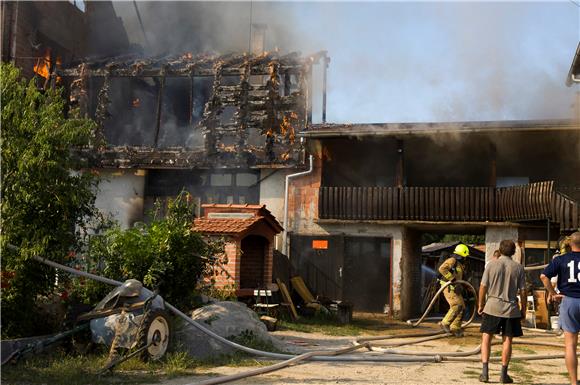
(417,62)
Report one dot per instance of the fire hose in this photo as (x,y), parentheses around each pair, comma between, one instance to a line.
(396,356)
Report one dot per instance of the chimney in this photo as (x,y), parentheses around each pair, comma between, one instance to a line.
(258,38)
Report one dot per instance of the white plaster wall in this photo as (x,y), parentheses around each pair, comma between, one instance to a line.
(120,194)
(495,234)
(272,195)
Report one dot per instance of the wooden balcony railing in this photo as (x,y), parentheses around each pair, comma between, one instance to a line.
(520,203)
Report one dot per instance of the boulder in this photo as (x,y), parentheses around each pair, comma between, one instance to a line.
(227,319)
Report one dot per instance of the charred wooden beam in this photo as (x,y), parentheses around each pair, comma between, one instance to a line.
(159,109)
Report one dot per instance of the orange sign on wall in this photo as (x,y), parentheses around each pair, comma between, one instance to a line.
(320,244)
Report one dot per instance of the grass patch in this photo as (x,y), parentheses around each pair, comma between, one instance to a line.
(524,375)
(332,327)
(524,349)
(471,373)
(62,369)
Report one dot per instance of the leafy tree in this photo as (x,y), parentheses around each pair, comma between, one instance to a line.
(46,197)
(165,254)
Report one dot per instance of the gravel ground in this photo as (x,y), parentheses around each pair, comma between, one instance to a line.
(550,371)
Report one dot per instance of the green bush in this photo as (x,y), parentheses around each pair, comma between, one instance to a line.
(46,198)
(165,254)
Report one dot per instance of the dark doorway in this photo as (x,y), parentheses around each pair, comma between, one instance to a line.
(320,267)
(252,261)
(366,272)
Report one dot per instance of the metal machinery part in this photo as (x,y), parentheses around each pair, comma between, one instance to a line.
(155,335)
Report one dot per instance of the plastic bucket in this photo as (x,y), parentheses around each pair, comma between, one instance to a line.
(555,322)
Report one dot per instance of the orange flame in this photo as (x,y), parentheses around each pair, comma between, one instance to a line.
(42,66)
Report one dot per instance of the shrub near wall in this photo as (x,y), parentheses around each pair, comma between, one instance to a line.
(165,254)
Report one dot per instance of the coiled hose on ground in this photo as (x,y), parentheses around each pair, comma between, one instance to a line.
(388,355)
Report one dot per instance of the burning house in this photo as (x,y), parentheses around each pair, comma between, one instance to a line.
(222,127)
(231,130)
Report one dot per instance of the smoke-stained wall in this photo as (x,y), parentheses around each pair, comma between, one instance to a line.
(456,159)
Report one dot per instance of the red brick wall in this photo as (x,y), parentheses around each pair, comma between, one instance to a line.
(58,21)
(222,279)
(303,197)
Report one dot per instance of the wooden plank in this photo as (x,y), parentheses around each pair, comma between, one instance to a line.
(423,215)
(517,203)
(363,203)
(346,204)
(358,203)
(410,204)
(405,202)
(430,203)
(334,202)
(287,298)
(447,212)
(396,193)
(567,214)
(353,204)
(334,196)
(346,199)
(458,192)
(360,193)
(478,196)
(471,211)
(499,214)
(495,196)
(438,204)
(370,212)
(389,205)
(536,200)
(377,202)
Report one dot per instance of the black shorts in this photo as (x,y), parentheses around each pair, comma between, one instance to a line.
(509,327)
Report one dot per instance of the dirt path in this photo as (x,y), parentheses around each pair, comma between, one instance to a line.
(550,371)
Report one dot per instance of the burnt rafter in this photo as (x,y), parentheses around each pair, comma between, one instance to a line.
(252,108)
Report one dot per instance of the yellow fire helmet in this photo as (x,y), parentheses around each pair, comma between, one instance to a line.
(461,250)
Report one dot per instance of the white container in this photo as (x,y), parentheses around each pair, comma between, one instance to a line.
(555,322)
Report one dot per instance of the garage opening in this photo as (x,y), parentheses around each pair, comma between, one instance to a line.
(367,272)
(435,249)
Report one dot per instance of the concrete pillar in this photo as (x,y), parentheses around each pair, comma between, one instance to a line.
(495,234)
(410,274)
(396,256)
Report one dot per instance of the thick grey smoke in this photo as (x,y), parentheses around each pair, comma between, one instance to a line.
(396,62)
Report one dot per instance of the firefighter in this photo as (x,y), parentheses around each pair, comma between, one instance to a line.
(451,270)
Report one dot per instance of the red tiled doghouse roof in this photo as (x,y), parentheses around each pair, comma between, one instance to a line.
(233,218)
(223,226)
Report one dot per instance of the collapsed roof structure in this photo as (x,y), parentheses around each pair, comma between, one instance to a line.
(199,111)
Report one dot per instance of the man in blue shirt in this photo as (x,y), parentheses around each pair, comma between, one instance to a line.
(567,268)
